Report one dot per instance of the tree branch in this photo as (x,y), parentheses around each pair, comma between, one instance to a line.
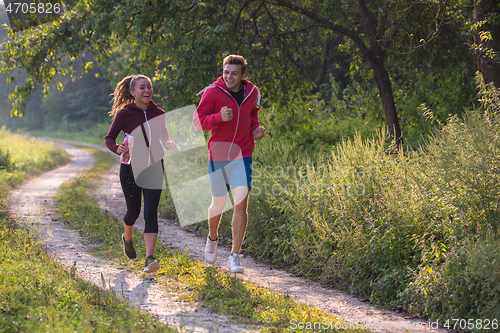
(297,31)
(325,23)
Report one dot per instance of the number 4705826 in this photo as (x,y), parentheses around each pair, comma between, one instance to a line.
(471,324)
(33,8)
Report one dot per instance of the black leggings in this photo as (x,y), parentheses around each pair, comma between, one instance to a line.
(132,193)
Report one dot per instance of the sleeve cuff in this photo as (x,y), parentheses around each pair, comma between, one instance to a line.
(217,118)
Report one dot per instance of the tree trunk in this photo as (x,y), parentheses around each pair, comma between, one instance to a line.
(376,56)
(385,89)
(322,68)
(489,68)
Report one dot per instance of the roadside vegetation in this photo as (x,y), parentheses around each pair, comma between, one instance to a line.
(418,229)
(36,293)
(21,158)
(219,292)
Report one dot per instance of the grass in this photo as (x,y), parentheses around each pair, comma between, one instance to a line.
(22,157)
(36,293)
(219,292)
(410,230)
(94,135)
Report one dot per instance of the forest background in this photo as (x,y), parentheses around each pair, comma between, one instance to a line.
(342,82)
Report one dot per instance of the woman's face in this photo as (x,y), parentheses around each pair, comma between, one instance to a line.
(142,92)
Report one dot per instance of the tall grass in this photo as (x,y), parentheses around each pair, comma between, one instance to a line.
(418,229)
(401,230)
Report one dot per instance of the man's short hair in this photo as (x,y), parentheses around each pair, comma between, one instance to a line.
(234,59)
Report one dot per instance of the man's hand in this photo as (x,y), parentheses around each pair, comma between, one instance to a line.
(226,113)
(258,132)
(170,145)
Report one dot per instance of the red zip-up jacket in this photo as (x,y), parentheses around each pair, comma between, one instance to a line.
(148,128)
(229,140)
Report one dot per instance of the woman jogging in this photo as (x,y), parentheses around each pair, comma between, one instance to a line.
(135,113)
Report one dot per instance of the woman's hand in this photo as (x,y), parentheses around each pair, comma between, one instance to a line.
(170,145)
(122,149)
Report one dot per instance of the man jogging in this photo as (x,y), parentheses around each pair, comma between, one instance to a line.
(228,108)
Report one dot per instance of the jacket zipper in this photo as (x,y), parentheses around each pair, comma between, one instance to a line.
(238,120)
(149,129)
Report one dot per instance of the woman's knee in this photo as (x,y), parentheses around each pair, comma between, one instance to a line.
(130,217)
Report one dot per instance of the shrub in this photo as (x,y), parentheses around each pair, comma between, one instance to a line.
(396,229)
(5,160)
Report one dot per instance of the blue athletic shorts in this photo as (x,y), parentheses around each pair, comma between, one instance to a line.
(225,175)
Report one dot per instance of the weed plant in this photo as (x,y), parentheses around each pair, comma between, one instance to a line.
(193,281)
(403,229)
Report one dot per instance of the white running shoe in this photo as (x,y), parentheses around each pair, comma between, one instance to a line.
(234,263)
(211,250)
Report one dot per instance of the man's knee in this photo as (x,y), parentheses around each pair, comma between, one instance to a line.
(241,206)
(217,206)
(240,197)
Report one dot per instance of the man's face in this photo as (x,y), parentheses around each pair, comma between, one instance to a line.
(232,76)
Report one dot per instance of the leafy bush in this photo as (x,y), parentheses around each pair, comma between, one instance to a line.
(315,125)
(5,160)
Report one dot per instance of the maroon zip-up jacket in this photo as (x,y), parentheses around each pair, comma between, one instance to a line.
(149,123)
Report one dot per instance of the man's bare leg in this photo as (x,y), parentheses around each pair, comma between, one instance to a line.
(240,217)
(215,215)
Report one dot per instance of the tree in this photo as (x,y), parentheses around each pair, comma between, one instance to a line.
(376,28)
(181,46)
(487,39)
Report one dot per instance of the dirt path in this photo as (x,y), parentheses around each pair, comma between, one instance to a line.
(70,248)
(33,204)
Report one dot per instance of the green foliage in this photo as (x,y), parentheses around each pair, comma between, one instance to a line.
(489,95)
(315,124)
(464,181)
(287,61)
(401,230)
